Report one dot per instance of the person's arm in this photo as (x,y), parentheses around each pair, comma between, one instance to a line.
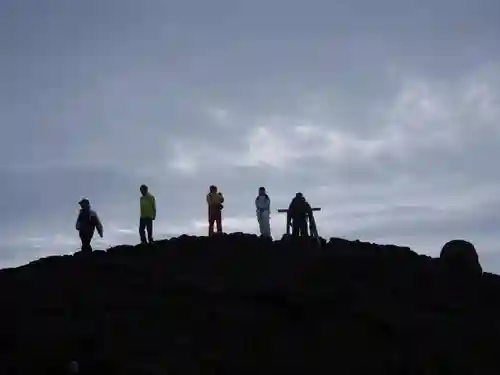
(268,204)
(221,198)
(98,225)
(208,199)
(153,202)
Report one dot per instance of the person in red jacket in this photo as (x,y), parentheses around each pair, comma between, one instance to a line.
(215,202)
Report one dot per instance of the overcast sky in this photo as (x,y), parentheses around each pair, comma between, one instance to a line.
(384,113)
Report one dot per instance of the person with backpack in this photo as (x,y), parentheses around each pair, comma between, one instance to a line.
(298,214)
(215,201)
(86,223)
(263,208)
(148,214)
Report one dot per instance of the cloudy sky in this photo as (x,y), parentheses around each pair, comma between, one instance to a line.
(384,113)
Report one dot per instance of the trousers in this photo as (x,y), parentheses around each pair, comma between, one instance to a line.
(214,217)
(146,225)
(86,238)
(299,227)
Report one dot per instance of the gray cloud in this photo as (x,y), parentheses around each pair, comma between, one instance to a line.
(383,113)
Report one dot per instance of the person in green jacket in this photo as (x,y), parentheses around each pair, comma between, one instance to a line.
(148,214)
(215,201)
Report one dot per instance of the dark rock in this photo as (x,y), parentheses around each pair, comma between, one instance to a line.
(242,304)
(461,258)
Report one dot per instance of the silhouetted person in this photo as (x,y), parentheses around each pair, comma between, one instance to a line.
(263,207)
(215,206)
(86,223)
(299,211)
(148,214)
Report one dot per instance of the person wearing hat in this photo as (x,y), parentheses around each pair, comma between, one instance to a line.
(86,223)
(215,201)
(148,214)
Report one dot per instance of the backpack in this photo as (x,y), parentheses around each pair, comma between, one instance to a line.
(299,207)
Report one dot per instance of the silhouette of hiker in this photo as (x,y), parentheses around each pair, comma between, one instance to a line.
(86,223)
(299,211)
(263,207)
(148,214)
(215,206)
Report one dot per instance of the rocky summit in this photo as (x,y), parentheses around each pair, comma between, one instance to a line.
(240,304)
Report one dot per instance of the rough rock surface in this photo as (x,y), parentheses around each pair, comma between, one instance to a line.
(238,304)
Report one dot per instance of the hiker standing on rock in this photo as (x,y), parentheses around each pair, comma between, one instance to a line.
(215,206)
(263,207)
(86,223)
(297,216)
(148,215)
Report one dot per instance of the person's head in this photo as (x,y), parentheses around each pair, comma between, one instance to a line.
(84,203)
(213,189)
(143,189)
(262,190)
(299,196)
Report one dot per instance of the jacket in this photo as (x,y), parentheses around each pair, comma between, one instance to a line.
(148,206)
(299,209)
(215,201)
(88,221)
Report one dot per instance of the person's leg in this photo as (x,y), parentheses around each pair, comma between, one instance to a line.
(218,221)
(142,228)
(83,241)
(86,238)
(149,229)
(295,227)
(303,228)
(211,220)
